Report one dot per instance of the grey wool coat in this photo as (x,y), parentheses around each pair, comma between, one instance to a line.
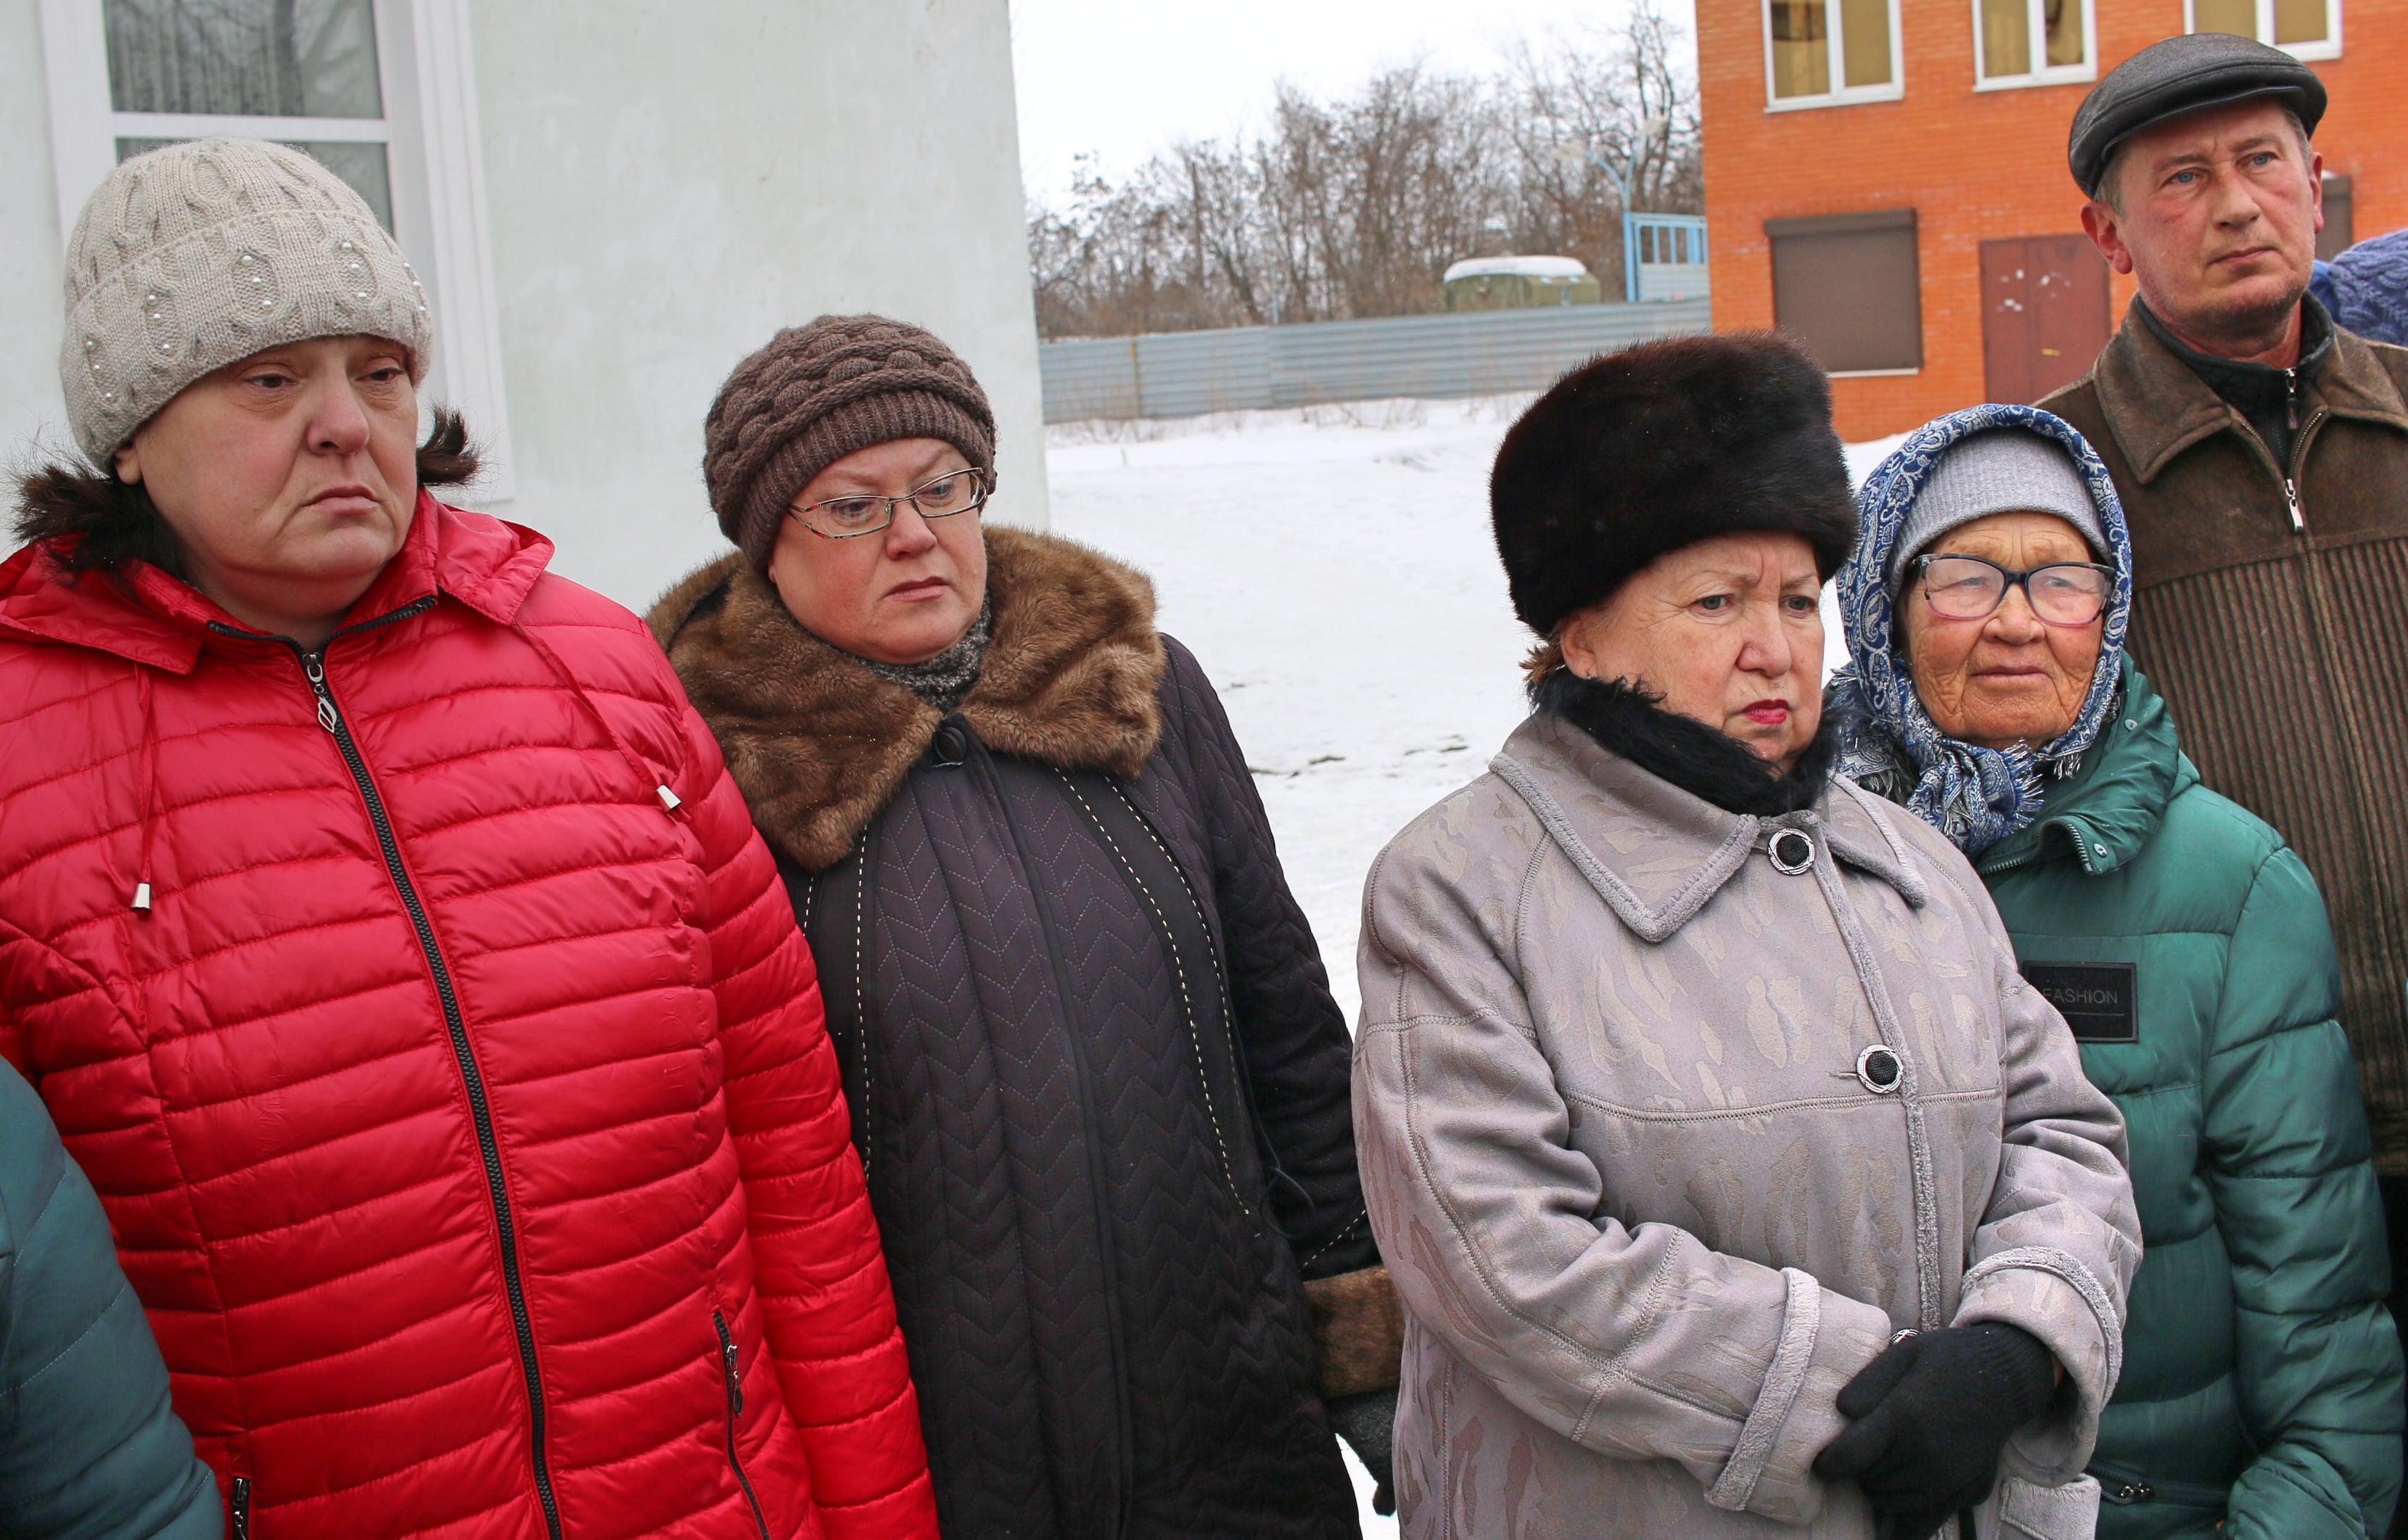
(1646,1213)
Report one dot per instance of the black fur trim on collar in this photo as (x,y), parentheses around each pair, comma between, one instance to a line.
(1698,759)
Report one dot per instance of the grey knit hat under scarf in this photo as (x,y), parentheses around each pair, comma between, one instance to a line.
(1888,743)
(199,254)
(1999,470)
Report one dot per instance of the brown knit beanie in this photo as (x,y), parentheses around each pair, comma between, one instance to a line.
(814,395)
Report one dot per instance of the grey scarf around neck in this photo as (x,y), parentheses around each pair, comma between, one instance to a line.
(944,681)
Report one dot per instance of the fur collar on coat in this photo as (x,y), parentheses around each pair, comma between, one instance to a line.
(818,743)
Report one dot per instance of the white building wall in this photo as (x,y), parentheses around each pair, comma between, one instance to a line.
(31,267)
(666,185)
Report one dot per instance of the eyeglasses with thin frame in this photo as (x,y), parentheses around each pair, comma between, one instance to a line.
(867,513)
(1972,588)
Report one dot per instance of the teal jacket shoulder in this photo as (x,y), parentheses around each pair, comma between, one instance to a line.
(90,1448)
(2189,949)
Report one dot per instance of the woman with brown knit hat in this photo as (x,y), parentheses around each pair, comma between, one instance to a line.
(1094,1071)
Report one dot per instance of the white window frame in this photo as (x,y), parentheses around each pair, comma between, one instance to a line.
(2045,74)
(2329,49)
(1839,96)
(434,163)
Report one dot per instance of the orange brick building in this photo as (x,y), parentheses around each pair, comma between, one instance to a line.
(1887,180)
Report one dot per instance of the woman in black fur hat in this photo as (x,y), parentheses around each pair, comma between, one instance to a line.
(1734,1183)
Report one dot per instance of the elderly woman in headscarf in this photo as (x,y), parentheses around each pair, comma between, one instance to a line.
(1096,1073)
(1989,693)
(1734,1182)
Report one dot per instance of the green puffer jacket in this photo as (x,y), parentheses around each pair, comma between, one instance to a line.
(89,1448)
(2188,946)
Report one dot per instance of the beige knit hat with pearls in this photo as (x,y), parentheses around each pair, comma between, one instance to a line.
(195,255)
(813,394)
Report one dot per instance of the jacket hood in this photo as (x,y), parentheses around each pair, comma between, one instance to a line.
(818,743)
(2104,814)
(143,614)
(1656,852)
(1976,796)
(156,621)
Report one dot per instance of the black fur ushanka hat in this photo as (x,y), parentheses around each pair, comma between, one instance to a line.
(1657,447)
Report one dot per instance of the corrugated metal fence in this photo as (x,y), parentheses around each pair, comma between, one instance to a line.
(1481,352)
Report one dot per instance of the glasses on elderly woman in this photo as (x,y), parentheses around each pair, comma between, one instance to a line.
(843,517)
(1967,588)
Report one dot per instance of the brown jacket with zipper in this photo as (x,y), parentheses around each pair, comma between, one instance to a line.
(2272,614)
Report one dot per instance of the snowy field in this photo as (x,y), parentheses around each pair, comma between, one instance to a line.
(1332,570)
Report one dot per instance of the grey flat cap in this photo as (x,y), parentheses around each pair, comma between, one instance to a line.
(2182,75)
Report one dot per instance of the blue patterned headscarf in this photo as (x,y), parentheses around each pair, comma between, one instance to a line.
(1976,796)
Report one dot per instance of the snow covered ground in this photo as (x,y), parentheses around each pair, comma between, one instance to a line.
(1332,570)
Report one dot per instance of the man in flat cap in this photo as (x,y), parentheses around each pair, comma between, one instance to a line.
(2261,453)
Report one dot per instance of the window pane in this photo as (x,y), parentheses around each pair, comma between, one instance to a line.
(2301,21)
(363,165)
(1864,28)
(2006,37)
(1802,48)
(2065,45)
(2235,16)
(254,58)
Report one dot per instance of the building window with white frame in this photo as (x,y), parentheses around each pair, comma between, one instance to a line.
(300,72)
(2033,43)
(2309,29)
(1831,52)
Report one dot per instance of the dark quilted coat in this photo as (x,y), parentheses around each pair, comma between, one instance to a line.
(462,1109)
(1097,1078)
(2261,1387)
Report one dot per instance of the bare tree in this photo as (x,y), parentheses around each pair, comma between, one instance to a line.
(1355,207)
(1594,118)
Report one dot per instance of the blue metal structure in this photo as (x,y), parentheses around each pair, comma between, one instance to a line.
(1680,228)
(1663,241)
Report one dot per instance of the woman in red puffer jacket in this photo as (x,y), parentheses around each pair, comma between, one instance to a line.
(384,935)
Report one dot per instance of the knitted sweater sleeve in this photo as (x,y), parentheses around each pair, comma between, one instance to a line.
(828,1309)
(2288,1163)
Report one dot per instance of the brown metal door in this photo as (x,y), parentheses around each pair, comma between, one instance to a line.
(2043,314)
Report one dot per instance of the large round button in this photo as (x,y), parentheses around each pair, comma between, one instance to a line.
(1792,853)
(952,745)
(1878,1068)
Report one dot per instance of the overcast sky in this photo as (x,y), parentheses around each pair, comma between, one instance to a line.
(1125,77)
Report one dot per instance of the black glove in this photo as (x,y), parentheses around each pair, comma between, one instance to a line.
(1368,1423)
(1929,1418)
